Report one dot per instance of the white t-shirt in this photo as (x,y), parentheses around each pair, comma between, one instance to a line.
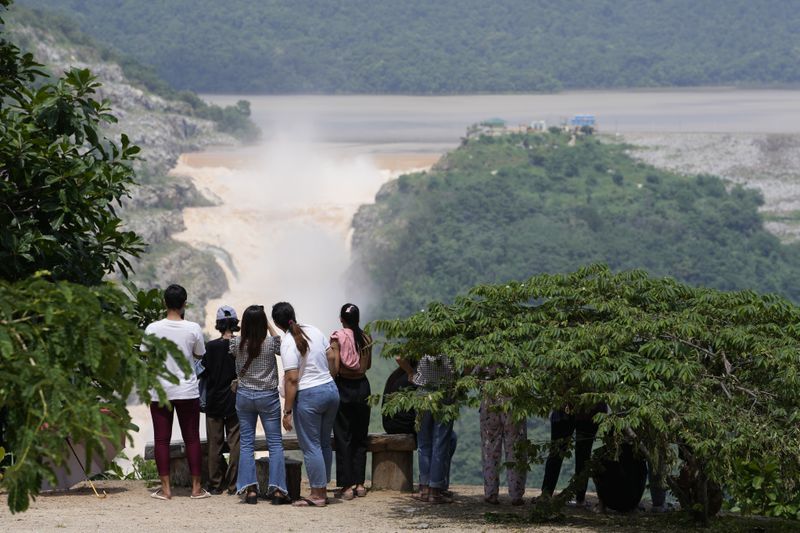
(313,366)
(189,338)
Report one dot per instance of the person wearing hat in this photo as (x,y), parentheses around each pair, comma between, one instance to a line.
(222,424)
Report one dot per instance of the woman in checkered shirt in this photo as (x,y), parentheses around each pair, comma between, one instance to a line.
(257,397)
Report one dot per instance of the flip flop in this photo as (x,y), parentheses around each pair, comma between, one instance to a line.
(308,502)
(204,494)
(158,495)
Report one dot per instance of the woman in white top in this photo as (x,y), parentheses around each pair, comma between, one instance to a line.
(312,398)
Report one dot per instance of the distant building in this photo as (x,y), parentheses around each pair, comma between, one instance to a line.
(579,121)
(539,125)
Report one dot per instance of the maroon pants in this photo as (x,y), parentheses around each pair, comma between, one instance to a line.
(189,420)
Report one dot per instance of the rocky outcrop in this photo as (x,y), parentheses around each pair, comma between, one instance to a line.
(164,129)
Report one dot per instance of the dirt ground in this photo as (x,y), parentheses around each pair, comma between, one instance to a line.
(128,507)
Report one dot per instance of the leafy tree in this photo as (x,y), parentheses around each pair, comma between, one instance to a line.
(60,178)
(712,374)
(69,343)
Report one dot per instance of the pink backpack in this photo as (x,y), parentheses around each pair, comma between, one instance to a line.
(348,353)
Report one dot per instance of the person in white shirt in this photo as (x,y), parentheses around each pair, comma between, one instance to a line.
(184,396)
(312,398)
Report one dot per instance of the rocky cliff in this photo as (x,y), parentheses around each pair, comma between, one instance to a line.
(164,129)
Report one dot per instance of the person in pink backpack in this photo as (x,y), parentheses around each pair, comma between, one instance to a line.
(353,350)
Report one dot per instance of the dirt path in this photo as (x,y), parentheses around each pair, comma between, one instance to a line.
(128,507)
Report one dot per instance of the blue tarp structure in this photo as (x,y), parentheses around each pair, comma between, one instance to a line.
(582,120)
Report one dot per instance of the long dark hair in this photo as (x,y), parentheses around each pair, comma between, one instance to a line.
(254,330)
(283,315)
(350,316)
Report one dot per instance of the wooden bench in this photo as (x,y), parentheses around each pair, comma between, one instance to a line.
(392,459)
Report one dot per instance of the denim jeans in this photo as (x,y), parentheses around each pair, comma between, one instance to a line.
(250,405)
(314,413)
(435,447)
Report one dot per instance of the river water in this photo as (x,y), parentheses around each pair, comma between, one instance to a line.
(281,225)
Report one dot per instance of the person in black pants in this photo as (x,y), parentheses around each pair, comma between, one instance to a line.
(353,350)
(222,423)
(402,421)
(562,426)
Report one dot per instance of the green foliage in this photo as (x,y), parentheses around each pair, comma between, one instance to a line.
(60,178)
(759,487)
(141,469)
(148,305)
(233,119)
(512,206)
(69,361)
(465,46)
(715,373)
(69,344)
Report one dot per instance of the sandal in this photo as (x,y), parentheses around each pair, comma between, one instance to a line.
(361,492)
(280,498)
(308,502)
(347,494)
(251,497)
(204,494)
(422,495)
(438,497)
(492,500)
(159,495)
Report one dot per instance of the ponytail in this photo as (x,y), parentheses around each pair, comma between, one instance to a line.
(283,315)
(350,316)
(300,337)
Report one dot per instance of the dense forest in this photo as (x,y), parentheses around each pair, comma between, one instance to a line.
(509,207)
(465,46)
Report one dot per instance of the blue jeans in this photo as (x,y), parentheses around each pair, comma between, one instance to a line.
(314,413)
(250,405)
(435,447)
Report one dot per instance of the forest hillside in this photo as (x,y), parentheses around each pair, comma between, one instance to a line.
(464,46)
(508,207)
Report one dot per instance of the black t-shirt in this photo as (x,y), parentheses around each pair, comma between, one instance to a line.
(220,370)
(404,421)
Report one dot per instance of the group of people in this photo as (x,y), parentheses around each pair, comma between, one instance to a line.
(325,391)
